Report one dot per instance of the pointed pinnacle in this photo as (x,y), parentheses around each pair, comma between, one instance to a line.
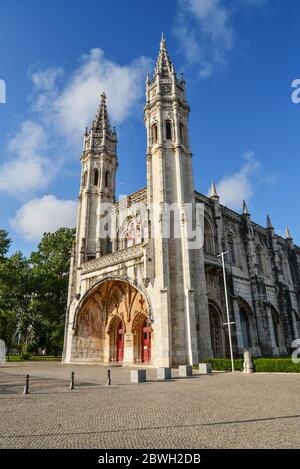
(288,234)
(269,223)
(245,208)
(213,191)
(103,97)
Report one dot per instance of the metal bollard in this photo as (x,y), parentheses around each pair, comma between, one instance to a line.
(108,378)
(72,380)
(26,387)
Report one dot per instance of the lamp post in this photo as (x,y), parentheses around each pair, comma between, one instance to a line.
(228,323)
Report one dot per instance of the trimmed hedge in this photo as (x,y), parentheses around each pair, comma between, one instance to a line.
(277,365)
(266,365)
(35,358)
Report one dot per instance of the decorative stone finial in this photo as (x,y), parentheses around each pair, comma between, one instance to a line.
(288,234)
(213,191)
(269,223)
(245,208)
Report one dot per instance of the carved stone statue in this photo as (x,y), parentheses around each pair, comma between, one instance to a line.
(248,365)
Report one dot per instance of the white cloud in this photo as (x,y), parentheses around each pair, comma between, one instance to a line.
(45,88)
(206,33)
(239,186)
(28,170)
(74,106)
(62,105)
(47,214)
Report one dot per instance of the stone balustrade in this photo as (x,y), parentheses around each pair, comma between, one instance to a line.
(112,258)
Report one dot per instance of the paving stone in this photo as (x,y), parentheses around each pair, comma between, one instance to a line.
(223,410)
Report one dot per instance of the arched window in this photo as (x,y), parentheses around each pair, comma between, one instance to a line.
(208,238)
(84,179)
(181,133)
(231,250)
(131,234)
(108,245)
(275,330)
(96,177)
(154,133)
(168,130)
(259,259)
(245,329)
(215,332)
(107,179)
(281,264)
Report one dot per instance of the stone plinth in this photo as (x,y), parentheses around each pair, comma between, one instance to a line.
(138,376)
(163,373)
(204,368)
(185,370)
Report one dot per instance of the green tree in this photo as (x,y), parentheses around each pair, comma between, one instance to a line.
(49,276)
(15,290)
(5,242)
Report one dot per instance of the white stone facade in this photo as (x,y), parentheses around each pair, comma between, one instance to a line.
(137,295)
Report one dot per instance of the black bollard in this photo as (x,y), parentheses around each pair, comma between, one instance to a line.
(72,380)
(108,378)
(26,387)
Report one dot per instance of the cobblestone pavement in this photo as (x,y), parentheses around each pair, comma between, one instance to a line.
(214,411)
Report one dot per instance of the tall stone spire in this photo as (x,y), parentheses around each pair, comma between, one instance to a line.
(170,181)
(213,191)
(101,134)
(98,180)
(163,66)
(101,121)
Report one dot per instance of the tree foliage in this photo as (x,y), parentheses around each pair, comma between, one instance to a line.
(33,292)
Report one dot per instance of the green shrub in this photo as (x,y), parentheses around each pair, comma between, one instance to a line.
(25,356)
(267,365)
(224,364)
(277,365)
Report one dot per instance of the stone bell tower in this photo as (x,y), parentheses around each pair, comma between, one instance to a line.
(170,186)
(98,172)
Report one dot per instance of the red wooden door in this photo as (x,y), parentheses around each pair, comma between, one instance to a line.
(120,345)
(146,344)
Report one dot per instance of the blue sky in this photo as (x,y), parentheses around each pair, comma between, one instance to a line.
(239,58)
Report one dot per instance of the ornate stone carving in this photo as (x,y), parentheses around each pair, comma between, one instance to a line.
(112,258)
(146,281)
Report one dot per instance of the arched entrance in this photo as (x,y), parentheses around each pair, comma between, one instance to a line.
(113,325)
(120,344)
(142,334)
(116,340)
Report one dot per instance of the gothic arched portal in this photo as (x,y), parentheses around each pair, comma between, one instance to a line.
(113,325)
(216,332)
